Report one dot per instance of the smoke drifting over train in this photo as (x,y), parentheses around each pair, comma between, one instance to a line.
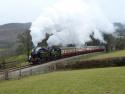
(70,22)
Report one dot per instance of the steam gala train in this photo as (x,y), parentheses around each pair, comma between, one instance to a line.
(43,55)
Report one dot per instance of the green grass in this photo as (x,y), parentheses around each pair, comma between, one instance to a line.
(91,81)
(15,61)
(2,49)
(19,58)
(100,56)
(109,55)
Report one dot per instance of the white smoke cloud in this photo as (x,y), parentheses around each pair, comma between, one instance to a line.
(70,22)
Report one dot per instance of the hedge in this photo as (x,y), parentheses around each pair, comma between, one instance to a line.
(100,63)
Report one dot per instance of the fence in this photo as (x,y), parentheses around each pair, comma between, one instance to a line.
(21,71)
(62,64)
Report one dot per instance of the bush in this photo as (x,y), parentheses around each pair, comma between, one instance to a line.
(109,62)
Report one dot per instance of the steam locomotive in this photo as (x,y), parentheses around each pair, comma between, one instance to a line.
(43,55)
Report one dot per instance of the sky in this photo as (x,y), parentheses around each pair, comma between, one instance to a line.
(21,11)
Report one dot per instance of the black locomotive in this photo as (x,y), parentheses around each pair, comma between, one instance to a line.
(42,55)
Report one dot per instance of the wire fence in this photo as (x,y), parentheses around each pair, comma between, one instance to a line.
(18,73)
(8,71)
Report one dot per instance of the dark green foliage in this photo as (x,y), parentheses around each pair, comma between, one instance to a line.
(120,43)
(120,38)
(100,63)
(110,42)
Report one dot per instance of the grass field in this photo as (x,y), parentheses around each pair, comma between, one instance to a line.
(1,49)
(19,58)
(101,56)
(109,55)
(91,81)
(15,61)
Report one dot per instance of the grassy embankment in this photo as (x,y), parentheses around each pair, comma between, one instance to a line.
(92,81)
(14,61)
(19,58)
(1,49)
(101,56)
(22,58)
(109,55)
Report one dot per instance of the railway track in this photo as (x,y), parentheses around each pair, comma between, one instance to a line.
(29,65)
(36,69)
(15,68)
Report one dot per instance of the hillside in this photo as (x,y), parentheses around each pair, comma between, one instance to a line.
(99,56)
(9,32)
(108,55)
(92,81)
(104,55)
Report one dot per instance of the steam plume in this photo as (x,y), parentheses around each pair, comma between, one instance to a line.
(70,22)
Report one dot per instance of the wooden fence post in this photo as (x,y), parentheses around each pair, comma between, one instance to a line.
(31,72)
(6,74)
(20,74)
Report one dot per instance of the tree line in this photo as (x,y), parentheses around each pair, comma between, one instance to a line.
(112,42)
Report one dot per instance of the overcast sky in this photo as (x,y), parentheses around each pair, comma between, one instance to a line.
(12,11)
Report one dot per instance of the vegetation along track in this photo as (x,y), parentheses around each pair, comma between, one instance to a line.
(14,68)
(36,69)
